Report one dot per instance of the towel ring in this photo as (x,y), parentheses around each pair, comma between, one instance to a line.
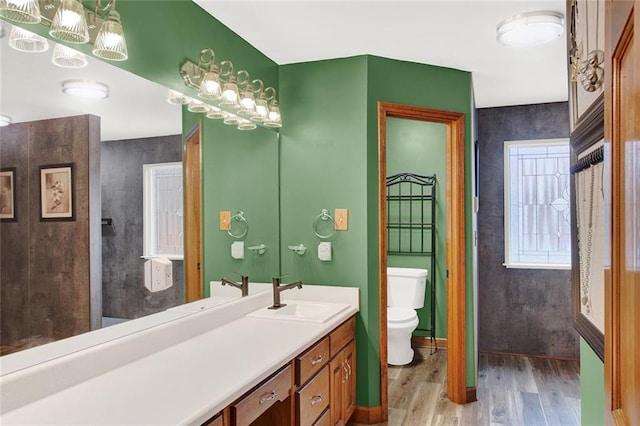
(238,217)
(323,217)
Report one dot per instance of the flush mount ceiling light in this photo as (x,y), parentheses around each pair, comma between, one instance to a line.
(530,29)
(85,89)
(5,120)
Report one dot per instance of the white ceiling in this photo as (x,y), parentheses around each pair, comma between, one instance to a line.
(448,33)
(31,89)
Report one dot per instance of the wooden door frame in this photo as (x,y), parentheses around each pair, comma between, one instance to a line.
(192,168)
(455,238)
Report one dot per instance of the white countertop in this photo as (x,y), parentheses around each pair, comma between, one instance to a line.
(182,383)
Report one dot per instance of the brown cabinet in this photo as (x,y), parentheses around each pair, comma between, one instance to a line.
(321,381)
(343,385)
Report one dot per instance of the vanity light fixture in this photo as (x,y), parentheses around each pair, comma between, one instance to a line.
(530,29)
(5,120)
(21,11)
(85,89)
(26,41)
(232,97)
(71,22)
(67,57)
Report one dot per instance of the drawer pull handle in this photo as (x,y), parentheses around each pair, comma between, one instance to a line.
(315,399)
(316,360)
(268,396)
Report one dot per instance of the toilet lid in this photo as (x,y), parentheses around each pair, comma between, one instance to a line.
(400,314)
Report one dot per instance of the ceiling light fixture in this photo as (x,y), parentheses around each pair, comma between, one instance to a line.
(85,89)
(247,107)
(20,11)
(530,29)
(5,120)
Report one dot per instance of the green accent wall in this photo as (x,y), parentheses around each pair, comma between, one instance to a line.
(591,386)
(329,159)
(419,147)
(431,87)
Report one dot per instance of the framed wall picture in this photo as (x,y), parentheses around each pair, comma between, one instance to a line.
(586,56)
(589,209)
(57,192)
(8,194)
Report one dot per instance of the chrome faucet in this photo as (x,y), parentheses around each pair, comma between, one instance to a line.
(279,288)
(243,285)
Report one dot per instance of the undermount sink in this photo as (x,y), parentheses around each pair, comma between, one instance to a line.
(299,310)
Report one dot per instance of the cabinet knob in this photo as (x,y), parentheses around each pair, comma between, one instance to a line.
(315,399)
(268,396)
(316,360)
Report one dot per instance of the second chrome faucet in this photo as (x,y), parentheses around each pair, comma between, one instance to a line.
(279,288)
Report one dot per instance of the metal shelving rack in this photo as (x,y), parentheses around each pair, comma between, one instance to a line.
(411,219)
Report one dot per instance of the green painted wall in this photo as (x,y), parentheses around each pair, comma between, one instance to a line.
(419,147)
(591,386)
(329,159)
(432,87)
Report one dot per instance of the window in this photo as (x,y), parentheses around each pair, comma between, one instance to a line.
(536,204)
(162,193)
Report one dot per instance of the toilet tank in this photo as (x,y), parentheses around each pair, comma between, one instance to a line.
(406,287)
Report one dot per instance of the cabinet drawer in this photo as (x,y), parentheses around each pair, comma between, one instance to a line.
(312,399)
(251,406)
(342,335)
(325,419)
(312,361)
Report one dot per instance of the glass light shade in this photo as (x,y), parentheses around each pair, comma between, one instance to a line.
(110,43)
(26,41)
(210,86)
(247,102)
(275,120)
(69,23)
(197,106)
(230,94)
(5,120)
(232,119)
(67,57)
(262,110)
(246,124)
(22,11)
(176,98)
(85,89)
(530,29)
(216,113)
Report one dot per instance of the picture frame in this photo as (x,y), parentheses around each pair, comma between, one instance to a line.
(586,35)
(587,150)
(57,196)
(8,198)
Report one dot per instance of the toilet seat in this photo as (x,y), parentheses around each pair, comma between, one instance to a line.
(400,315)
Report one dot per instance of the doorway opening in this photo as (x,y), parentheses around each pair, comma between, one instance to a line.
(455,244)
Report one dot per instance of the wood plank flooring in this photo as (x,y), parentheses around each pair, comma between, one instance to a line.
(512,390)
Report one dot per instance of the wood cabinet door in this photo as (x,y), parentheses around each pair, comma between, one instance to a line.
(336,370)
(622,285)
(349,391)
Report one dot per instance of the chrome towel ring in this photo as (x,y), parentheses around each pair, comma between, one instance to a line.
(324,218)
(242,225)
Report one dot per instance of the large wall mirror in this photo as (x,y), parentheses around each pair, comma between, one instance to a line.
(136,126)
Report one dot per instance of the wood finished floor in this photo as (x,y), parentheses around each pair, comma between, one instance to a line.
(512,390)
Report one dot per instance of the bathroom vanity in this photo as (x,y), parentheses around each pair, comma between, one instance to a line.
(230,364)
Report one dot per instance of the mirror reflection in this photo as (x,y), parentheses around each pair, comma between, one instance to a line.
(64,277)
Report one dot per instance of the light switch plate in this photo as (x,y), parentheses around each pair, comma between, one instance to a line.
(341,217)
(225,220)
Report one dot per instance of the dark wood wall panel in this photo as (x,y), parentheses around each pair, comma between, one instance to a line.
(52,271)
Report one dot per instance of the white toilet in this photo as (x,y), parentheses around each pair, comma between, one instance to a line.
(405,294)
